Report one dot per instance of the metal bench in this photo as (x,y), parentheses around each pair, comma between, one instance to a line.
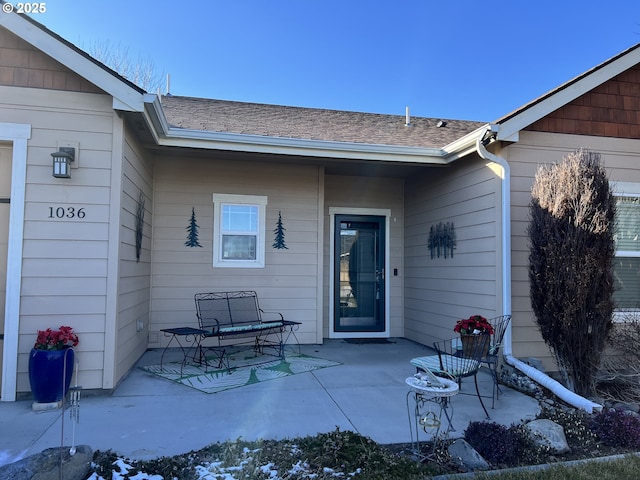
(235,318)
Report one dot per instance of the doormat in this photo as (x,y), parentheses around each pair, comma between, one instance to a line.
(245,368)
(363,341)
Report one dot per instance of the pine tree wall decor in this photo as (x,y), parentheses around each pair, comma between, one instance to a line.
(279,242)
(139,224)
(442,240)
(192,231)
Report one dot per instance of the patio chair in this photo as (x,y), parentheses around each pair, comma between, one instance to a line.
(491,359)
(455,363)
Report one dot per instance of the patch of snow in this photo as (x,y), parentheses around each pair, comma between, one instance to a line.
(123,469)
(204,473)
(215,471)
(6,458)
(267,469)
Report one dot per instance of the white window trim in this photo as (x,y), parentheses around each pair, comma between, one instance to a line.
(624,189)
(259,201)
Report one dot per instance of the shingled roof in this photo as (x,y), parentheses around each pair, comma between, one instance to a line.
(311,123)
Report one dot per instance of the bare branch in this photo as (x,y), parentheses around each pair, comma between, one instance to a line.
(140,70)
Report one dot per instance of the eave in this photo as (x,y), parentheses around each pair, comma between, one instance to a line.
(513,123)
(467,145)
(126,96)
(165,135)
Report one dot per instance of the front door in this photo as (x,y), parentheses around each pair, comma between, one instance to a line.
(359,286)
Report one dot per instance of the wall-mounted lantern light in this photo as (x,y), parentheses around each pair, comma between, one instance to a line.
(62,162)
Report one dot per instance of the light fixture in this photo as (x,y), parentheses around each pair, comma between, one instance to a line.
(62,162)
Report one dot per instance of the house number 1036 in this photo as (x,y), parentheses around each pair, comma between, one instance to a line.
(66,212)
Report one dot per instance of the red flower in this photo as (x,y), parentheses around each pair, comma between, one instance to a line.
(475,324)
(56,339)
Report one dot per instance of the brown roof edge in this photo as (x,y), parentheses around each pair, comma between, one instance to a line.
(78,50)
(565,85)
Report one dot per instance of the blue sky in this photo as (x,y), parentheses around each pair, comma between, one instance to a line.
(459,59)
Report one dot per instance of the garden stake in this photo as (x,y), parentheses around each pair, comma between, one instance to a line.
(74,411)
(64,396)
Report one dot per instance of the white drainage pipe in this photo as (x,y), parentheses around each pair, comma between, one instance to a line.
(536,375)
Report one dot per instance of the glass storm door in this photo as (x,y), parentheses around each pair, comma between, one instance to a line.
(359,273)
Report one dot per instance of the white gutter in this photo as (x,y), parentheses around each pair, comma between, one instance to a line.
(177,137)
(466,145)
(507,349)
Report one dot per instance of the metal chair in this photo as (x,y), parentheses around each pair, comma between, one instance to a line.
(455,362)
(500,325)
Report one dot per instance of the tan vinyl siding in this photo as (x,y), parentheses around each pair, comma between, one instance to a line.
(134,289)
(373,193)
(65,260)
(287,283)
(438,291)
(620,158)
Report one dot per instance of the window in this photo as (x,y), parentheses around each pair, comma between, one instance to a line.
(627,238)
(238,230)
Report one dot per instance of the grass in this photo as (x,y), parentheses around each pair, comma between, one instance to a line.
(625,468)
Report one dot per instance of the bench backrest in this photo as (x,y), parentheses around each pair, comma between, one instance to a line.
(227,309)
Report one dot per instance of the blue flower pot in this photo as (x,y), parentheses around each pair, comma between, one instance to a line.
(46,371)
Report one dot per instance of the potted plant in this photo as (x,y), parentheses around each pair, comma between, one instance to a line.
(474,334)
(51,364)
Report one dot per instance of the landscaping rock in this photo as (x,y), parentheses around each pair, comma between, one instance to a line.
(546,433)
(515,379)
(46,465)
(466,456)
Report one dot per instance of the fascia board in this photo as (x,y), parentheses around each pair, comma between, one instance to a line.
(124,97)
(467,144)
(301,147)
(509,129)
(155,118)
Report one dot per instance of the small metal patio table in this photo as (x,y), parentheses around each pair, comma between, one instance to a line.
(431,397)
(191,337)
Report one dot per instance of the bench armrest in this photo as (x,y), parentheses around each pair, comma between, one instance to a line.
(211,329)
(275,314)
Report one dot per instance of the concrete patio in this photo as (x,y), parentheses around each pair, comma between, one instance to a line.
(148,417)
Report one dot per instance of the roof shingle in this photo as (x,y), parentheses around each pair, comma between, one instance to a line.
(311,123)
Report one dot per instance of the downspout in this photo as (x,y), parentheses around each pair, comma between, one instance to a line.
(507,351)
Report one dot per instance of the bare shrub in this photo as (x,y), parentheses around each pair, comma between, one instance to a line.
(571,263)
(619,375)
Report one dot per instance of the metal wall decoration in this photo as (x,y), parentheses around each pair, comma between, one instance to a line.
(279,242)
(139,224)
(442,240)
(192,231)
